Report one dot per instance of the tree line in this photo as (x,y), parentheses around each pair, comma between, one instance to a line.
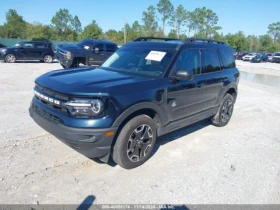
(201,22)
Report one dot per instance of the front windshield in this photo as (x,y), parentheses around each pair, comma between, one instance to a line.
(17,45)
(140,60)
(85,44)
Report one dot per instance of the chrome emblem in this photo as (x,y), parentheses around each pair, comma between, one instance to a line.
(46,98)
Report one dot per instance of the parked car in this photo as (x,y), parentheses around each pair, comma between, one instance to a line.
(269,56)
(87,52)
(144,90)
(276,57)
(240,55)
(28,50)
(2,46)
(249,56)
(259,58)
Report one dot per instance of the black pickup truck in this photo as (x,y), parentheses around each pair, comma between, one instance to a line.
(88,52)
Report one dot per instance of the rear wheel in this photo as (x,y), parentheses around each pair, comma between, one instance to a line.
(10,58)
(225,111)
(48,59)
(135,142)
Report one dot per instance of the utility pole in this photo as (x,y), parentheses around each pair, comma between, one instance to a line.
(124,32)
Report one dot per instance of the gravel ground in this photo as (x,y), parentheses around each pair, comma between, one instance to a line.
(237,164)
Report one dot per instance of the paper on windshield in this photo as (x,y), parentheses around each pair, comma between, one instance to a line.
(155,55)
(86,47)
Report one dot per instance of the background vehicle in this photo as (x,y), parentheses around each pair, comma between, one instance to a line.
(28,50)
(1,46)
(240,55)
(249,56)
(88,52)
(144,90)
(269,56)
(276,57)
(259,58)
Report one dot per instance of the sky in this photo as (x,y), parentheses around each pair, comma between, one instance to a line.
(250,16)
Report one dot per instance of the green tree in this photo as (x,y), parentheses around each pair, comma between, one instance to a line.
(39,31)
(112,35)
(15,26)
(179,19)
(76,27)
(253,43)
(92,30)
(165,9)
(237,41)
(274,30)
(150,20)
(62,24)
(204,21)
(265,42)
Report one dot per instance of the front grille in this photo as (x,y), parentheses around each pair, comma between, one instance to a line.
(62,52)
(53,96)
(45,114)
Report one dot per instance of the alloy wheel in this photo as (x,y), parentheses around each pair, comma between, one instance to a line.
(139,143)
(227,111)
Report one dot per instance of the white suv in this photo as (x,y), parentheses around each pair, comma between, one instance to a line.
(249,56)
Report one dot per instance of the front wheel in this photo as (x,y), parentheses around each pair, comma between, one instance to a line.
(10,58)
(48,59)
(135,142)
(224,112)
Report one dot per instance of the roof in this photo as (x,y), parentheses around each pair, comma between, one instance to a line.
(99,40)
(175,44)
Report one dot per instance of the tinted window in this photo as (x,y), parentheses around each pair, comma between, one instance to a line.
(211,61)
(227,58)
(111,47)
(41,46)
(86,44)
(100,47)
(28,45)
(277,54)
(189,60)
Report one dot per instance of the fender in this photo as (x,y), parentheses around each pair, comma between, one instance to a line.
(139,106)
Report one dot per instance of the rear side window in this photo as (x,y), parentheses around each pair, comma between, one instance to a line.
(100,47)
(28,45)
(41,46)
(111,47)
(211,61)
(227,58)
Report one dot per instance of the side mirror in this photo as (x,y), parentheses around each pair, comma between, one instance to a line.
(96,50)
(184,75)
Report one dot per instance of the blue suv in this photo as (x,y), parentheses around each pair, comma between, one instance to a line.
(148,88)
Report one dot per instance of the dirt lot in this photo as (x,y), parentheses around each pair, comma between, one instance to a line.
(239,163)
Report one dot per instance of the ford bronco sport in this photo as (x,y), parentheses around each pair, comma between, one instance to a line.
(88,52)
(147,88)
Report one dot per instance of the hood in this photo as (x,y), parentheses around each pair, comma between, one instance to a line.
(89,81)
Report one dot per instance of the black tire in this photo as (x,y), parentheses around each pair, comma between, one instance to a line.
(10,58)
(225,111)
(135,142)
(48,59)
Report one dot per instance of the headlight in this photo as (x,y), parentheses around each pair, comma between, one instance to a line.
(85,107)
(68,55)
(4,50)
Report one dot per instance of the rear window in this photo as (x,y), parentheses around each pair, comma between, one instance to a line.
(111,47)
(227,58)
(41,46)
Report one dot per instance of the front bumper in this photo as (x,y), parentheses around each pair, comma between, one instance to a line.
(63,60)
(89,142)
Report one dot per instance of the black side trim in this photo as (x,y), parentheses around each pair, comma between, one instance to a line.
(172,126)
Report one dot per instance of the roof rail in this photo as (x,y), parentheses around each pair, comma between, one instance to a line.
(193,40)
(146,39)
